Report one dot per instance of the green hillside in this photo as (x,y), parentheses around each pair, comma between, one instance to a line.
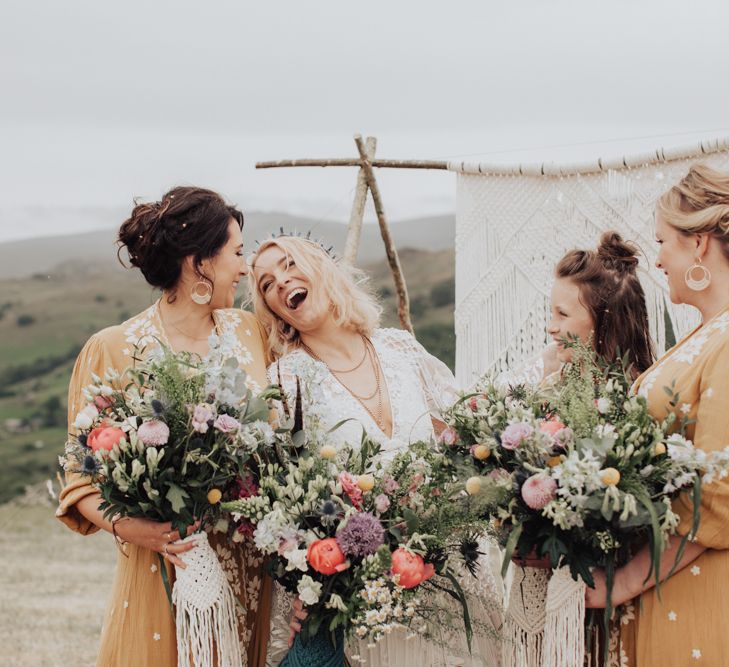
(45,320)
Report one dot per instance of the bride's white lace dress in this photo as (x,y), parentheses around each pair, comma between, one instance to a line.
(417,383)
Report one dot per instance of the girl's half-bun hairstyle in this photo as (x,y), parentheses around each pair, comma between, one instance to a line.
(611,291)
(187,221)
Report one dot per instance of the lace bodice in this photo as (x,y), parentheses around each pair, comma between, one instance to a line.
(417,383)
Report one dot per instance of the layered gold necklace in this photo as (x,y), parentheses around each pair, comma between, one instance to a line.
(371,354)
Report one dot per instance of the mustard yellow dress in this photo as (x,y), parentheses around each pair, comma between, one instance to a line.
(139,627)
(690,624)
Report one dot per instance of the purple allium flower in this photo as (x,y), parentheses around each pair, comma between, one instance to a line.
(515,434)
(361,536)
(154,433)
(227,424)
(382,503)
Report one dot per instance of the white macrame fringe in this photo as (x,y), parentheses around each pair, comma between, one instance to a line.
(523,642)
(205,616)
(564,629)
(521,647)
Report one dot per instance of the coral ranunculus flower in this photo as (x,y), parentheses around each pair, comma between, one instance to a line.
(411,567)
(104,437)
(326,557)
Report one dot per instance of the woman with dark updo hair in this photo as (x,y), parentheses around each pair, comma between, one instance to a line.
(189,245)
(596,296)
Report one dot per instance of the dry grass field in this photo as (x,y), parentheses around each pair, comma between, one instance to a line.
(54,586)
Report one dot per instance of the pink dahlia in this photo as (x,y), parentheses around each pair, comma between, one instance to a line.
(538,491)
(154,433)
(515,434)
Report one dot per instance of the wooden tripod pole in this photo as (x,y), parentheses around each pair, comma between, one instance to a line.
(403,301)
(354,231)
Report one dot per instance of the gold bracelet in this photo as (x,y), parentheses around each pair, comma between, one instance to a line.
(120,543)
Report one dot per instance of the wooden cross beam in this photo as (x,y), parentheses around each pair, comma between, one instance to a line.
(366,181)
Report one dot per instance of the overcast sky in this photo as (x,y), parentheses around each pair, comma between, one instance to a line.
(104,101)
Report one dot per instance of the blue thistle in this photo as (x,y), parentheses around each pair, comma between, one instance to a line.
(90,465)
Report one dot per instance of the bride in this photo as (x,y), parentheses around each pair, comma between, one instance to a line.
(322,326)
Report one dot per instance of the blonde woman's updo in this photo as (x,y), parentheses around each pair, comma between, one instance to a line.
(699,204)
(353,304)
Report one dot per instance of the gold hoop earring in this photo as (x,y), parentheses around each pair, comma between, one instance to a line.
(203,297)
(697,284)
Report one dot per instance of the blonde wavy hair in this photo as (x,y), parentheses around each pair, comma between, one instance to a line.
(699,204)
(353,303)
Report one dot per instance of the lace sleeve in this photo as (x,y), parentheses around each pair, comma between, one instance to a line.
(437,380)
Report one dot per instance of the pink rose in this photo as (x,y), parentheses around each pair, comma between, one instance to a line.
(227,424)
(538,491)
(349,486)
(201,415)
(449,436)
(382,503)
(515,434)
(390,485)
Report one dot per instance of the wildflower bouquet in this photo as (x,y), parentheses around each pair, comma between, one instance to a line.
(586,474)
(362,545)
(166,440)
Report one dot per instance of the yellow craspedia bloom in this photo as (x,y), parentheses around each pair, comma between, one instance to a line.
(366,483)
(610,477)
(554,461)
(328,452)
(214,496)
(481,452)
(659,449)
(473,486)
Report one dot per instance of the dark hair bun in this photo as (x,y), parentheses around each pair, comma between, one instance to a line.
(617,254)
(186,222)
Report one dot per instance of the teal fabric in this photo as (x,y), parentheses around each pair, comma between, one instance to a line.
(318,651)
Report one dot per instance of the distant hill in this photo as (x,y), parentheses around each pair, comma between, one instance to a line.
(45,318)
(41,255)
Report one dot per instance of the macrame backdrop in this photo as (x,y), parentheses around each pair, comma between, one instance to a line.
(514,223)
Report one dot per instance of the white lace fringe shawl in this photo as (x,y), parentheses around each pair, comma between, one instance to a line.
(207,628)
